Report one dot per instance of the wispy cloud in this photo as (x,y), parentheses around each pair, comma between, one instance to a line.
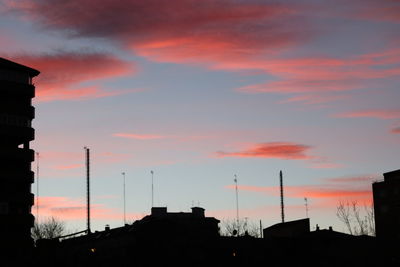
(68,167)
(373,113)
(139,136)
(278,150)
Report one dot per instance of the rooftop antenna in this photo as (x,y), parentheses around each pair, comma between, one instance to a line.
(123,174)
(282,205)
(237,204)
(37,186)
(152,188)
(306,204)
(88,187)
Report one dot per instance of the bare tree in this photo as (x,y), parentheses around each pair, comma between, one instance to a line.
(230,227)
(48,229)
(356,224)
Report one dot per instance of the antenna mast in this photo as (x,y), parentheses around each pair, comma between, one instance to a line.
(237,204)
(88,187)
(306,204)
(123,174)
(152,189)
(37,186)
(282,205)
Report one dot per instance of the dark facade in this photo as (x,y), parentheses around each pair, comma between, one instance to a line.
(288,229)
(16,177)
(387,205)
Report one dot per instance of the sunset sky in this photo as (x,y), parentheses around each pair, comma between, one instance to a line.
(201,90)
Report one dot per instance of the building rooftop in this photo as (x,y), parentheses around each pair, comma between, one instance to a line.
(7,64)
(393,175)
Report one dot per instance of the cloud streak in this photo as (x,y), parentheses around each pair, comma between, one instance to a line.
(138,136)
(63,72)
(277,150)
(377,114)
(395,130)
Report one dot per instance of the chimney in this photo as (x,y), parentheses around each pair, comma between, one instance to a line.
(198,212)
(158,211)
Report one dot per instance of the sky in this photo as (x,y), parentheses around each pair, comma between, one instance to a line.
(201,90)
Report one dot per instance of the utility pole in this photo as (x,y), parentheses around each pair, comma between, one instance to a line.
(306,204)
(123,174)
(88,187)
(237,204)
(152,188)
(37,187)
(282,205)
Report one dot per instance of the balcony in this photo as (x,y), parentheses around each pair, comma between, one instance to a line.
(27,155)
(17,176)
(16,133)
(17,89)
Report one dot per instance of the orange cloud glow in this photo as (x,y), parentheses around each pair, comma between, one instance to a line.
(279,150)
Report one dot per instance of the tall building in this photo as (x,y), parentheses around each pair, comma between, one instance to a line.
(16,177)
(387,205)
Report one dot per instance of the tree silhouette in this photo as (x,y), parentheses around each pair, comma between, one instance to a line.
(48,229)
(356,224)
(230,227)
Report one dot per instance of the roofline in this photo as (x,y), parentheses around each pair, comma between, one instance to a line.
(16,66)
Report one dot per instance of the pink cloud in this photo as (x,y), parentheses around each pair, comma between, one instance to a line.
(380,10)
(138,136)
(224,34)
(378,114)
(323,192)
(395,130)
(311,99)
(69,167)
(63,72)
(278,150)
(70,209)
(184,31)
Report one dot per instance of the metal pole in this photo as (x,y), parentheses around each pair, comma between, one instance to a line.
(306,204)
(88,187)
(152,189)
(282,205)
(37,187)
(123,174)
(237,205)
(261,231)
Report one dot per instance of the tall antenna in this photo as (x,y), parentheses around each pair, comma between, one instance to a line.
(152,188)
(123,174)
(306,204)
(282,206)
(237,204)
(37,186)
(88,187)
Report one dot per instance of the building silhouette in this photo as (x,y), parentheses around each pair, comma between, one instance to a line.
(387,205)
(16,177)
